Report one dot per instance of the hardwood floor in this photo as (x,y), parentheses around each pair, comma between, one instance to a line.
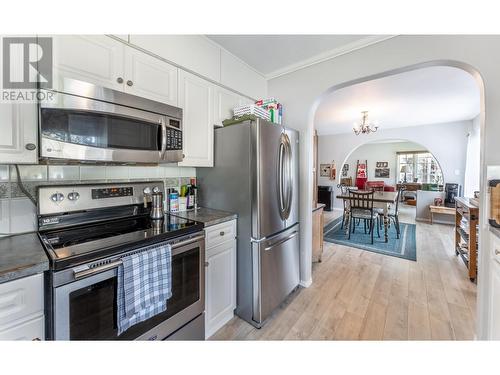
(360,295)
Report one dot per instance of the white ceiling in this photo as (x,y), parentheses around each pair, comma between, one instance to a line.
(419,97)
(272,55)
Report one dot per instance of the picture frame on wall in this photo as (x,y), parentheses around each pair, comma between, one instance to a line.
(382,164)
(345,170)
(325,170)
(382,172)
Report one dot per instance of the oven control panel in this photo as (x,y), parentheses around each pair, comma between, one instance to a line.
(112,192)
(59,199)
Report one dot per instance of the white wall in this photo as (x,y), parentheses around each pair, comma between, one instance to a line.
(301,92)
(472,167)
(373,152)
(447,142)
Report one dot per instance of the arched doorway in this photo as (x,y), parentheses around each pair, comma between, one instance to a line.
(312,116)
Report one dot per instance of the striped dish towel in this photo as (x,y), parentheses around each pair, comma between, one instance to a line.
(144,285)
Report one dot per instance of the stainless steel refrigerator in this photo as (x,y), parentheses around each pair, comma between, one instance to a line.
(255,175)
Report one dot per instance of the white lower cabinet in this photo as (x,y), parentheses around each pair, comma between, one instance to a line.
(220,279)
(32,330)
(21,309)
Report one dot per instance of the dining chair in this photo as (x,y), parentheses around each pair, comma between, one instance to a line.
(361,207)
(344,190)
(394,214)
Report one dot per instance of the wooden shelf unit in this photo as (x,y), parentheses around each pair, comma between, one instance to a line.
(466,242)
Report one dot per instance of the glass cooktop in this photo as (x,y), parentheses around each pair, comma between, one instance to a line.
(90,241)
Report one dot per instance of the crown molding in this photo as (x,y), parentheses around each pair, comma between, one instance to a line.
(327,55)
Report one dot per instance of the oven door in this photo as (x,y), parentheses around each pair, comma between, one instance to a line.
(85,309)
(78,128)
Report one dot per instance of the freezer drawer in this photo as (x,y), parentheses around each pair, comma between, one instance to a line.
(276,272)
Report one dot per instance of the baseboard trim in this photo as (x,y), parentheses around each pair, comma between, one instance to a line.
(422,220)
(306,284)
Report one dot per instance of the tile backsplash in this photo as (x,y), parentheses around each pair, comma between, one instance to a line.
(18,214)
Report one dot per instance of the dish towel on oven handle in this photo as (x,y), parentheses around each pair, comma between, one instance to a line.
(144,285)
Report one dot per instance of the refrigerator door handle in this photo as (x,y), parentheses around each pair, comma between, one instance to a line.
(281,199)
(289,181)
(284,176)
(281,241)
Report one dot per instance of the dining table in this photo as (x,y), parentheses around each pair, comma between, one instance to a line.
(381,199)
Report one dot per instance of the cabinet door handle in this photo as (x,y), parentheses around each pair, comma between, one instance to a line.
(36,339)
(30,146)
(119,80)
(129,83)
(497,252)
(221,233)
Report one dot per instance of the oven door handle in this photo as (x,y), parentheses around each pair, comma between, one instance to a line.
(79,273)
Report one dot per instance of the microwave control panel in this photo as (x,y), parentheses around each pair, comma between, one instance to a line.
(174,139)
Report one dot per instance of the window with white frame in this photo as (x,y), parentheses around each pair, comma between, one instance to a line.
(418,166)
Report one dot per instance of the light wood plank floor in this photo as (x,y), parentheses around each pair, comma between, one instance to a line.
(359,295)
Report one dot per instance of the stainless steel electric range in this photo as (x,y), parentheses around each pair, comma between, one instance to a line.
(86,230)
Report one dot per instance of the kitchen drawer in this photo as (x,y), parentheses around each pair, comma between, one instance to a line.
(220,233)
(32,330)
(20,299)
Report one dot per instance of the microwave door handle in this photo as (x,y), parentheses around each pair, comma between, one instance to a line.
(163,139)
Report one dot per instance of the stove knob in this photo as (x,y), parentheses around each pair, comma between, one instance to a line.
(156,189)
(73,196)
(146,190)
(57,197)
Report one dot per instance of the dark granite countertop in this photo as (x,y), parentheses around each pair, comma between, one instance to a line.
(207,216)
(20,256)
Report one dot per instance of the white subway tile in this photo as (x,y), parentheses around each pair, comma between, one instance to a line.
(4,173)
(30,173)
(22,215)
(187,172)
(117,173)
(143,172)
(170,171)
(96,172)
(4,216)
(61,172)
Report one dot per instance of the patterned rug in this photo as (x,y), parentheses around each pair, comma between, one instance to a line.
(404,247)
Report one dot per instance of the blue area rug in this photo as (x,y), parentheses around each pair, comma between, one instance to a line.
(404,247)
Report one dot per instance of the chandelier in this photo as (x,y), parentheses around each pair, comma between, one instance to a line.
(365,127)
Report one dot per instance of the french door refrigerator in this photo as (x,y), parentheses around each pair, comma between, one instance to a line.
(255,175)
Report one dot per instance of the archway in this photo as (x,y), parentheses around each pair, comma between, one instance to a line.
(307,184)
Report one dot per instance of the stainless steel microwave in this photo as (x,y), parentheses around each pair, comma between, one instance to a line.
(87,123)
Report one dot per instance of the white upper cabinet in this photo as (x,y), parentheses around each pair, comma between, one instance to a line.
(106,62)
(225,102)
(193,52)
(240,77)
(18,129)
(150,77)
(96,59)
(196,98)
